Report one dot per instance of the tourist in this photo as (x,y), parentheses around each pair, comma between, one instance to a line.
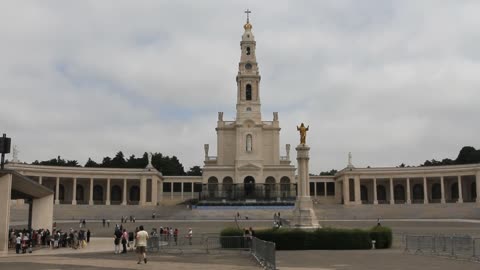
(117,238)
(18,243)
(124,240)
(190,236)
(175,236)
(88,236)
(141,242)
(103,221)
(153,215)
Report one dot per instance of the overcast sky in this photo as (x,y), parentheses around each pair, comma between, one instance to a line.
(390,81)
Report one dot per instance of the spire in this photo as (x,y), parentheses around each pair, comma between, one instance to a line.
(248,26)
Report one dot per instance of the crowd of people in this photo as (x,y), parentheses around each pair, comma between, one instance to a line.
(24,240)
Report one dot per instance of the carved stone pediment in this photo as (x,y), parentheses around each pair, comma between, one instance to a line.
(249,167)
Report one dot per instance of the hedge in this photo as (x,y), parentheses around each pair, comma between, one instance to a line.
(324,238)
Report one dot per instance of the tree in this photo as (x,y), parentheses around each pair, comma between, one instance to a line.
(195,171)
(118,161)
(91,163)
(331,172)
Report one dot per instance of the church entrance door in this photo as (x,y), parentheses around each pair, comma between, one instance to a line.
(249,187)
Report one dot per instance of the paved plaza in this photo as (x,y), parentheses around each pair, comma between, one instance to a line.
(99,253)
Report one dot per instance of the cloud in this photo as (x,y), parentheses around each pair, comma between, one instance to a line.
(391,81)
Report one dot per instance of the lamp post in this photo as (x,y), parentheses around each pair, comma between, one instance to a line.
(4,148)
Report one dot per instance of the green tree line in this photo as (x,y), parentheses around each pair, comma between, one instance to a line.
(165,164)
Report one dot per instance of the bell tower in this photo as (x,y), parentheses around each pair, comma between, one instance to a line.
(248,78)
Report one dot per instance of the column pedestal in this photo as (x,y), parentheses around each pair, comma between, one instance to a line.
(303,214)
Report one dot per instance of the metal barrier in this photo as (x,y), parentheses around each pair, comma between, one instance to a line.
(264,252)
(456,246)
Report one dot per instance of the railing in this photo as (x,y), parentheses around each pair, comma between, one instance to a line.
(262,251)
(457,246)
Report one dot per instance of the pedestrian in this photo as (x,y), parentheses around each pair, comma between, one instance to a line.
(108,223)
(190,236)
(153,215)
(175,236)
(117,237)
(88,236)
(141,242)
(18,243)
(124,240)
(103,221)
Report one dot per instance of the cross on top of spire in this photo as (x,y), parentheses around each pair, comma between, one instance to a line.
(248,14)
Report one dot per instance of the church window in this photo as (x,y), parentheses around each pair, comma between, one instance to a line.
(248,92)
(249,143)
(248,50)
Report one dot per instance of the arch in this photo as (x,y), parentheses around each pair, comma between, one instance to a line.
(98,193)
(228,187)
(436,191)
(116,194)
(249,143)
(249,186)
(134,193)
(363,193)
(61,192)
(269,187)
(399,192)
(454,191)
(212,186)
(248,51)
(473,191)
(285,187)
(418,192)
(80,193)
(381,193)
(248,92)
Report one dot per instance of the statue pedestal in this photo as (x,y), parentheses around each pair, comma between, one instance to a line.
(303,214)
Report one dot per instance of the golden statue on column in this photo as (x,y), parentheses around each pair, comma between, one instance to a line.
(303,133)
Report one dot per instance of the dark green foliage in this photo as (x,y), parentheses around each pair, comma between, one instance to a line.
(468,155)
(165,164)
(331,172)
(325,238)
(57,162)
(382,236)
(195,171)
(233,238)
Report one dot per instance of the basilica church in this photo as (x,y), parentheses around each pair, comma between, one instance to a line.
(248,162)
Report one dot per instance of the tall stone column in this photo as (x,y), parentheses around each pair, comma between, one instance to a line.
(346,191)
(107,201)
(143,190)
(392,195)
(442,186)
(57,191)
(477,183)
(375,199)
(74,193)
(425,191)
(124,197)
(40,180)
(409,200)
(358,199)
(90,200)
(460,193)
(303,214)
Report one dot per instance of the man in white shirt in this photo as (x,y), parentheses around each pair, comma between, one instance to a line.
(142,237)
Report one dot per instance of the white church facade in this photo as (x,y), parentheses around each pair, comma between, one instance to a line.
(249,166)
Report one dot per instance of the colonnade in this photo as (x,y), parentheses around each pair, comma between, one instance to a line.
(402,187)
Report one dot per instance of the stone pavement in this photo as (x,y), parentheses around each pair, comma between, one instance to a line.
(392,259)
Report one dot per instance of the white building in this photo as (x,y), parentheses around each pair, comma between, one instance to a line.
(248,162)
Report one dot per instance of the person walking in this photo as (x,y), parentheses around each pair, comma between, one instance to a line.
(141,242)
(190,236)
(124,240)
(88,236)
(117,237)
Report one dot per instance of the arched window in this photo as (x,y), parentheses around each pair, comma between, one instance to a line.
(454,191)
(134,193)
(249,143)
(61,190)
(436,191)
(363,193)
(98,193)
(248,50)
(116,194)
(212,187)
(418,192)
(399,193)
(80,193)
(381,193)
(248,92)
